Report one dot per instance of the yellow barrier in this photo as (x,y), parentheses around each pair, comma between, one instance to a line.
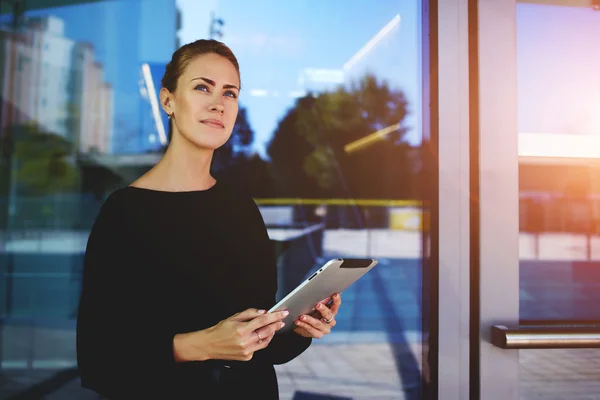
(405,215)
(408,219)
(339,202)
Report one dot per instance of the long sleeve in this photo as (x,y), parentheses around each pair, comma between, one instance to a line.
(285,347)
(122,350)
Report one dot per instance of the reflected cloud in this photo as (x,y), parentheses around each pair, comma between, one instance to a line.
(321,75)
(275,93)
(258,92)
(297,93)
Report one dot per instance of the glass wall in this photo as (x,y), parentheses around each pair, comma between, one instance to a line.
(328,139)
(75,101)
(559,126)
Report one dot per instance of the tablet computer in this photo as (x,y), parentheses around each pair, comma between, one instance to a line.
(335,276)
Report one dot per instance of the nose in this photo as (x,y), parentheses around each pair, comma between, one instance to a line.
(217,106)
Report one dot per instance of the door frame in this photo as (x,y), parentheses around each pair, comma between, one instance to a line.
(497,174)
(450,132)
(474,94)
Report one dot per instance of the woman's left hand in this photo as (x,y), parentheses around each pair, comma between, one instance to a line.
(309,326)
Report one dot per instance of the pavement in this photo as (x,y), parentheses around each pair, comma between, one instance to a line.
(368,371)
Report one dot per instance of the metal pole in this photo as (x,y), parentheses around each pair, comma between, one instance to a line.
(18,7)
(368,226)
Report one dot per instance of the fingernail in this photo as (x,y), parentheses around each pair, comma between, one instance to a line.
(286,313)
(319,306)
(262,311)
(282,324)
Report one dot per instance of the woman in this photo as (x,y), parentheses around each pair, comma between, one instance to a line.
(179,267)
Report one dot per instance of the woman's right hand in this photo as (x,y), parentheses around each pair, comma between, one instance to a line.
(239,336)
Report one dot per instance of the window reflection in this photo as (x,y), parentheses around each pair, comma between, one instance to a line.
(327,138)
(558,161)
(558,103)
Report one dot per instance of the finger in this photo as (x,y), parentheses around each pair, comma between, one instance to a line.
(268,339)
(337,302)
(318,323)
(251,342)
(314,332)
(269,330)
(248,314)
(325,301)
(325,312)
(262,344)
(257,337)
(267,319)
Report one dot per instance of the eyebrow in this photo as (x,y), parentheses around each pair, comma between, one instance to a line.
(212,83)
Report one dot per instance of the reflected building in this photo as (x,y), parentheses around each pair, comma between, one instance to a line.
(96,101)
(55,83)
(16,107)
(124,36)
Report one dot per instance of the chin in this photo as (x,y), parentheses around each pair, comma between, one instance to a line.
(210,142)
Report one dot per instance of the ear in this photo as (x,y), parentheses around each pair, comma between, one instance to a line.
(166,101)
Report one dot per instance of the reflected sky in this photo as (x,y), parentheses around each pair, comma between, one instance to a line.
(288,48)
(558,59)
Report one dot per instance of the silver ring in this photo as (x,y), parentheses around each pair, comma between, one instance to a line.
(328,321)
(259,338)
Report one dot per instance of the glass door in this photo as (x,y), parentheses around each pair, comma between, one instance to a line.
(539,131)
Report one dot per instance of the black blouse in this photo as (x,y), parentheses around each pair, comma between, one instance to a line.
(162,263)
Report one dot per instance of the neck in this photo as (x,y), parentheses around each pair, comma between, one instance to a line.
(185,167)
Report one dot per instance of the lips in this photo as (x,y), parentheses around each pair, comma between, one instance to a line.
(215,123)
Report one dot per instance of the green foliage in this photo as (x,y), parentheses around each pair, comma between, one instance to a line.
(307,150)
(44,161)
(232,152)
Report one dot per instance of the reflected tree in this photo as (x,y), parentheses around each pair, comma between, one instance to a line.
(308,149)
(236,161)
(43,161)
(237,147)
(289,150)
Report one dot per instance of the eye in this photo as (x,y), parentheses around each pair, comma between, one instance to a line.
(202,87)
(231,94)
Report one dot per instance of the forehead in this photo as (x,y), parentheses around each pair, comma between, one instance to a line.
(214,67)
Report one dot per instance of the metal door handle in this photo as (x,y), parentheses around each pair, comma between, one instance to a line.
(547,337)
